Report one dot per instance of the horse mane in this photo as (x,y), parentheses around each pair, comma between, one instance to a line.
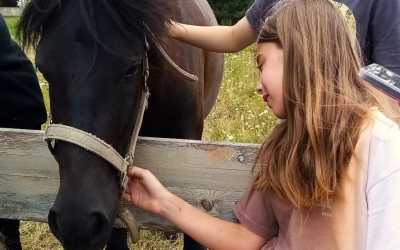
(131,16)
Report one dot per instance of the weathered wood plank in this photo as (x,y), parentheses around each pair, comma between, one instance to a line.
(10,11)
(210,175)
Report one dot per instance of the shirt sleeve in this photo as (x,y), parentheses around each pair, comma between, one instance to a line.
(383,198)
(21,100)
(257,12)
(384,34)
(255,212)
(4,33)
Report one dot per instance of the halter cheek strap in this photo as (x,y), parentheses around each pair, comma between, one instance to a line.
(98,146)
(102,149)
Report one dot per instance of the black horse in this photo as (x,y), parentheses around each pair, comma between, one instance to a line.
(92,52)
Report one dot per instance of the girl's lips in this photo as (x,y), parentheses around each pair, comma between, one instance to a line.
(266,98)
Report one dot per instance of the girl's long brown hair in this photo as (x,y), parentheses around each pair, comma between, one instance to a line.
(304,158)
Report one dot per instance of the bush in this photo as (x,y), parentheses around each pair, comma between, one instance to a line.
(229,12)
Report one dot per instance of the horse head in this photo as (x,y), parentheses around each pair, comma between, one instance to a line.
(93,55)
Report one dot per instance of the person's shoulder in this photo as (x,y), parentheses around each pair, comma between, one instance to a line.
(383,128)
(258,11)
(4,33)
(2,21)
(263,3)
(383,155)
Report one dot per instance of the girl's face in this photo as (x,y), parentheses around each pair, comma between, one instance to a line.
(270,64)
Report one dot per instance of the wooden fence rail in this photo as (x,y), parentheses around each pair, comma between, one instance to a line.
(10,11)
(211,176)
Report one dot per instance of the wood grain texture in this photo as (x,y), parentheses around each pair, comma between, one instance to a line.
(10,11)
(211,176)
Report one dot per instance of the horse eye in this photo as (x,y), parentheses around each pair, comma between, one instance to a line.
(132,71)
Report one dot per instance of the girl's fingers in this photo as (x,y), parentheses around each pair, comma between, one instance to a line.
(132,171)
(133,198)
(136,172)
(127,197)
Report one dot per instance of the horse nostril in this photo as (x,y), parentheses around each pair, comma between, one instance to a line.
(99,226)
(93,227)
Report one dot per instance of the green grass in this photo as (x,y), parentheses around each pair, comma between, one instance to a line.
(12,25)
(36,236)
(238,116)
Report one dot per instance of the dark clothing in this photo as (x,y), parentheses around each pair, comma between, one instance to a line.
(378,28)
(9,234)
(21,100)
(21,106)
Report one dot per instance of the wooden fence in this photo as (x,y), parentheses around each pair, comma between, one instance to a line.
(211,176)
(10,11)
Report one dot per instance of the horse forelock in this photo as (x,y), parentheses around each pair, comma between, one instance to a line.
(129,15)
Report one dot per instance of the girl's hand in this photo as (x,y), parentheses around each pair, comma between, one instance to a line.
(173,29)
(145,191)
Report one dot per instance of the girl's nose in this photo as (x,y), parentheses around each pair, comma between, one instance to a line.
(259,89)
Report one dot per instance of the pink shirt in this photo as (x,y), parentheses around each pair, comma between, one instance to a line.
(365,214)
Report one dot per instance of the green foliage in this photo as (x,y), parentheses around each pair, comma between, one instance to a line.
(240,114)
(229,12)
(12,23)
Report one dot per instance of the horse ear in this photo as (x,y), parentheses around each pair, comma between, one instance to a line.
(35,16)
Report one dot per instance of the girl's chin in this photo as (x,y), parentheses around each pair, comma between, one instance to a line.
(268,108)
(279,115)
(268,105)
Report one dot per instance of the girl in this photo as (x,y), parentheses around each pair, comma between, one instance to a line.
(327,176)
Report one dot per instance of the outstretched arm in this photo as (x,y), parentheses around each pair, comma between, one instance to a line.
(215,38)
(146,192)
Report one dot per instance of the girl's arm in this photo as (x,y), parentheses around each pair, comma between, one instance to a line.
(211,232)
(146,192)
(215,38)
